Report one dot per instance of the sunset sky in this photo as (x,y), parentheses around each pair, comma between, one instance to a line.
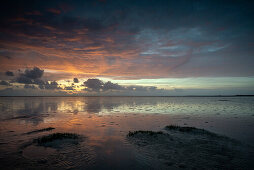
(126,47)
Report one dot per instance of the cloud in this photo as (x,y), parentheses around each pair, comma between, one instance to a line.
(141,88)
(54,11)
(24,80)
(30,92)
(69,88)
(9,73)
(75,80)
(34,73)
(27,86)
(111,59)
(8,57)
(112,86)
(98,85)
(49,85)
(94,84)
(5,83)
(30,76)
(128,40)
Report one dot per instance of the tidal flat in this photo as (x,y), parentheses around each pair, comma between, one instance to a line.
(126,132)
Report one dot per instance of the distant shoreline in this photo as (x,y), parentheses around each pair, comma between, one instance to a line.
(143,96)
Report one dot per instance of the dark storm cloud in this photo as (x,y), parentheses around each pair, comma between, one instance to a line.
(155,38)
(9,73)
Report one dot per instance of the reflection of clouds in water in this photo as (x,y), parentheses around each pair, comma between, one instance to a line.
(93,105)
(32,112)
(75,111)
(99,104)
(110,104)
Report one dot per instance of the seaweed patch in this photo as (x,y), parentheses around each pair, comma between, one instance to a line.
(40,130)
(151,133)
(55,136)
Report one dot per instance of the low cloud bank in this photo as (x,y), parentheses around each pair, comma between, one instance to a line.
(33,76)
(31,82)
(96,85)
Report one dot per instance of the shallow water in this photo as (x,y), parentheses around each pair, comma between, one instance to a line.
(104,122)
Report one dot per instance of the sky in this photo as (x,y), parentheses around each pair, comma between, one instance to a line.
(126,47)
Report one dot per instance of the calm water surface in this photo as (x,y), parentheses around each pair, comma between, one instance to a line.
(105,121)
